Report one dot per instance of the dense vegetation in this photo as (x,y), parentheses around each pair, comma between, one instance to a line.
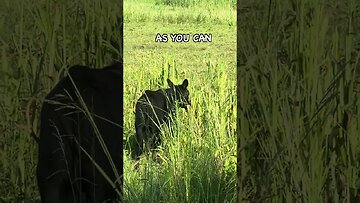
(197,160)
(38,42)
(298,101)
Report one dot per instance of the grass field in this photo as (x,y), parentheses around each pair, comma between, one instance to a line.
(198,161)
(38,41)
(298,103)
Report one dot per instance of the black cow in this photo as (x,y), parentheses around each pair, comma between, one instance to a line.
(70,151)
(153,109)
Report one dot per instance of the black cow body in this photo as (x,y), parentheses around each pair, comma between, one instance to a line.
(65,172)
(153,109)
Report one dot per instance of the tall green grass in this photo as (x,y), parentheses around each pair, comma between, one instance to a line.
(196,161)
(195,3)
(202,12)
(298,101)
(39,40)
(189,3)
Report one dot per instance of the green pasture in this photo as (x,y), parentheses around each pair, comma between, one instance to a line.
(197,162)
(40,40)
(298,101)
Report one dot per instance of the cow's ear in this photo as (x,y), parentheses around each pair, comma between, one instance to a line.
(171,84)
(185,83)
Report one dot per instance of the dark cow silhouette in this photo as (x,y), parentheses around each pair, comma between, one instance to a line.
(71,121)
(153,109)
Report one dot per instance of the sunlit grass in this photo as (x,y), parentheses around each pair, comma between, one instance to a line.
(196,161)
(38,41)
(298,83)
